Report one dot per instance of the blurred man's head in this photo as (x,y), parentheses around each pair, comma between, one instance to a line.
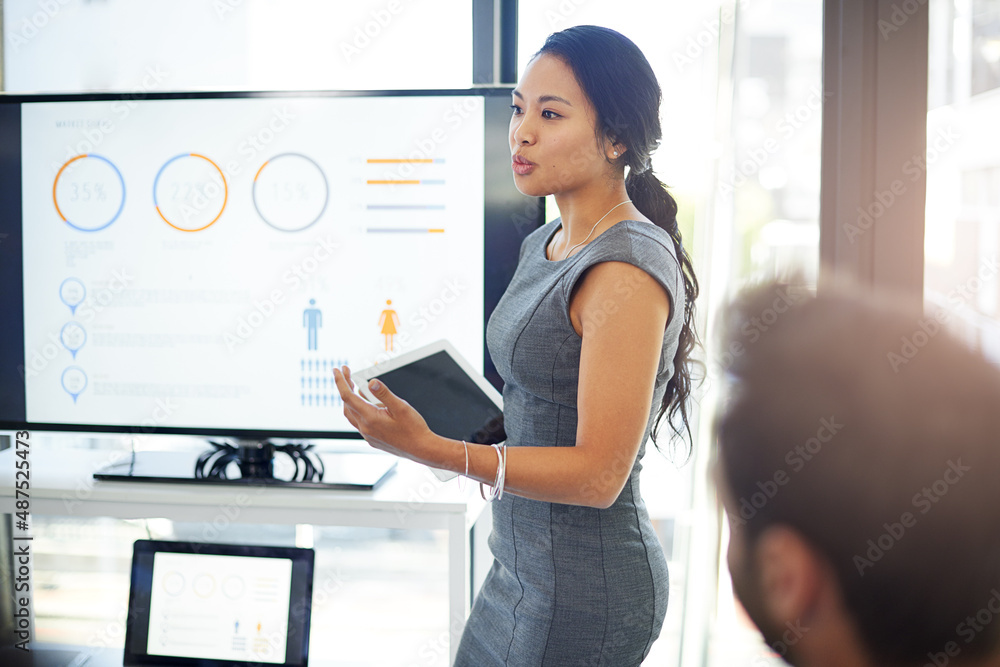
(859,465)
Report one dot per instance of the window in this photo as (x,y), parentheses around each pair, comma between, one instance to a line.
(768,201)
(962,236)
(236,45)
(985,54)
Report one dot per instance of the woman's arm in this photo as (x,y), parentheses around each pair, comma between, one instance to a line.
(621,314)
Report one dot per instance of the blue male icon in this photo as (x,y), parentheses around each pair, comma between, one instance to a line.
(312,319)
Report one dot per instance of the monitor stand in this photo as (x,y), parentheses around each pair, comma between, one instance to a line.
(255,460)
(252,462)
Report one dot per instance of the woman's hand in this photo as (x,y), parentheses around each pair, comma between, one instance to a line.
(393,426)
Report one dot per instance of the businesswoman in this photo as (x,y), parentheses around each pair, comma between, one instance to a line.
(592,339)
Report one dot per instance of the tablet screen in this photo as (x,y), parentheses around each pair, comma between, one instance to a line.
(206,604)
(447,398)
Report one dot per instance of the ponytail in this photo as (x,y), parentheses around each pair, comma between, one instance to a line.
(626,96)
(650,196)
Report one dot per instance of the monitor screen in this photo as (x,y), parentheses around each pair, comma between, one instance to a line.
(198,263)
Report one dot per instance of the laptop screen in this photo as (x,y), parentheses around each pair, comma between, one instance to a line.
(213,604)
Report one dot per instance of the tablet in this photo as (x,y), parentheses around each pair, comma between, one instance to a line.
(454,400)
(199,605)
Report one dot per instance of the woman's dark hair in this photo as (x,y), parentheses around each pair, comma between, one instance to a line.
(624,92)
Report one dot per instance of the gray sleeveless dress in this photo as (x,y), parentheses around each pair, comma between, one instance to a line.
(569,585)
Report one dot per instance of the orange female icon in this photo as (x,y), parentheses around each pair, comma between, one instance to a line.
(388,321)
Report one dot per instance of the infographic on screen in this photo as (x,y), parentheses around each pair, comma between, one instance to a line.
(208,262)
(219,607)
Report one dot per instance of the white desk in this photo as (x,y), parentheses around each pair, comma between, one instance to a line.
(89,656)
(411,498)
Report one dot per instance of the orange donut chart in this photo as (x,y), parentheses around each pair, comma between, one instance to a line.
(55,187)
(225,190)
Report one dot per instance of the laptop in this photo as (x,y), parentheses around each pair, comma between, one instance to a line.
(218,605)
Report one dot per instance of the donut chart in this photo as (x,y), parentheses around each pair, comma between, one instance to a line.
(88,192)
(190,192)
(290,192)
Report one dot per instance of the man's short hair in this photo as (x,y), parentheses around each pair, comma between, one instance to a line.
(874,434)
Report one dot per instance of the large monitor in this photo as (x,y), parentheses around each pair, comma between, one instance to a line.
(197,263)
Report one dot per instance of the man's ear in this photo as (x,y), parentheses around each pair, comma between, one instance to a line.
(790,573)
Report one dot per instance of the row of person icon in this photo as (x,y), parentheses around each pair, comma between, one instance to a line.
(321,400)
